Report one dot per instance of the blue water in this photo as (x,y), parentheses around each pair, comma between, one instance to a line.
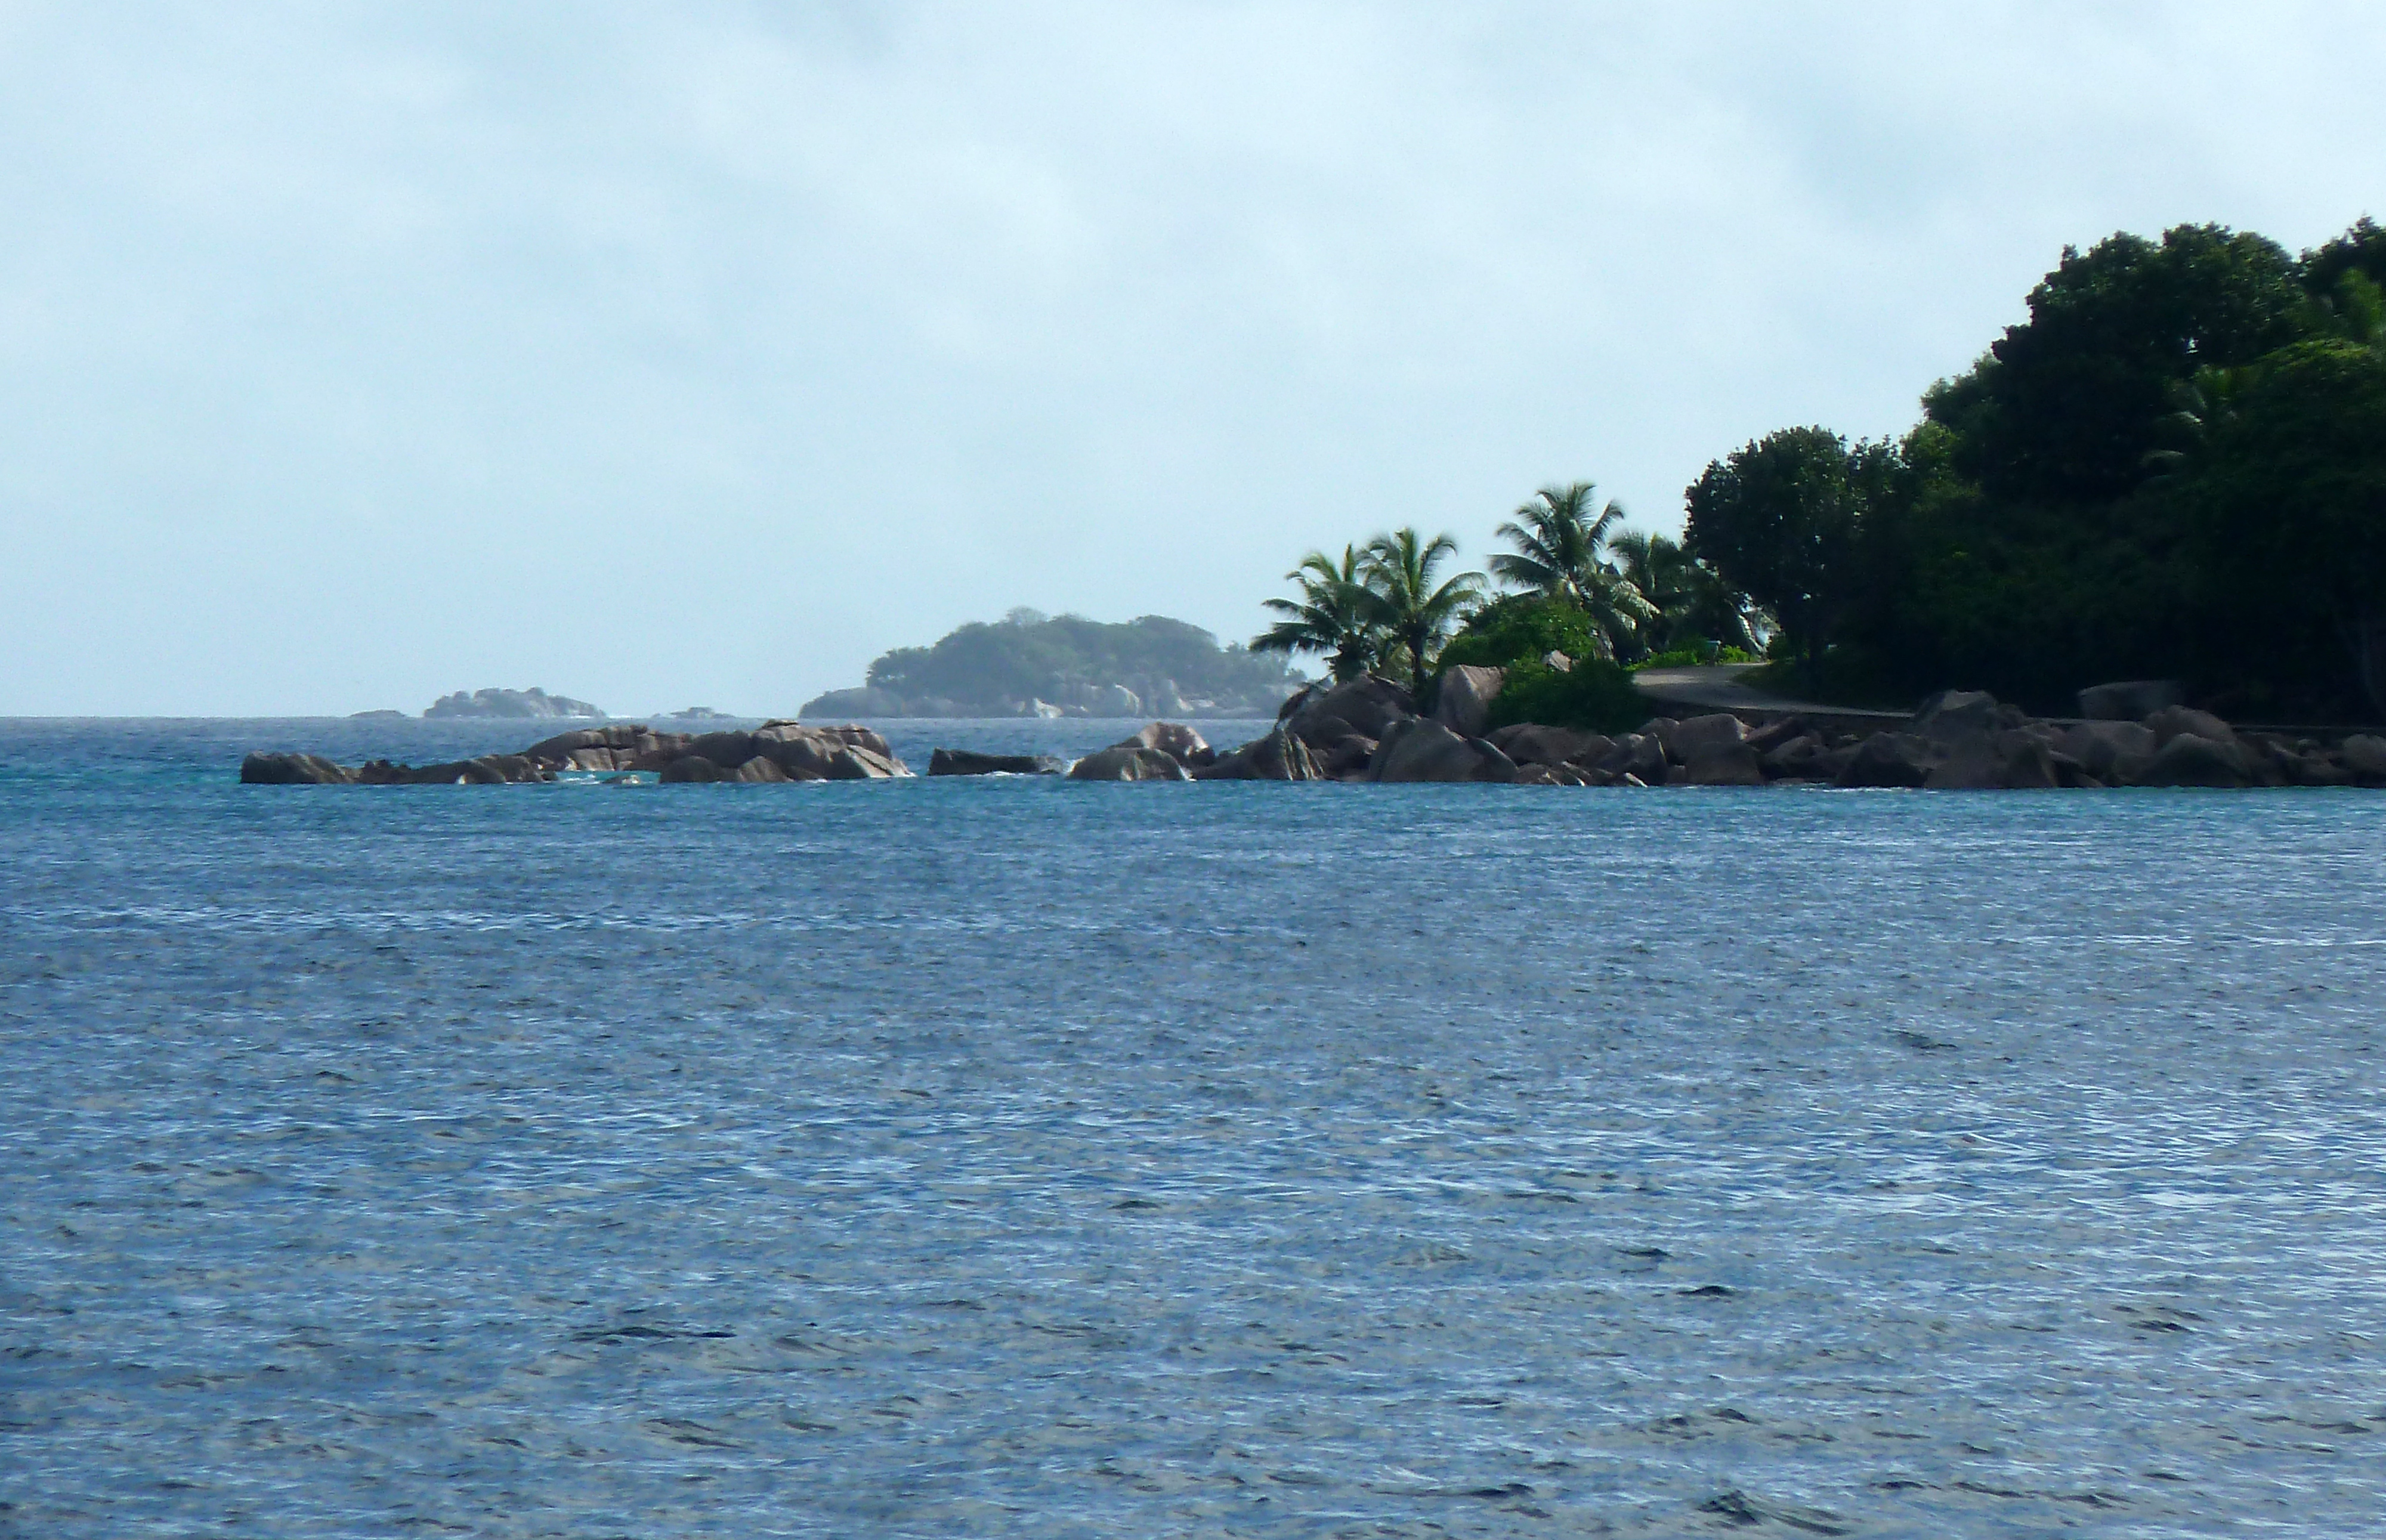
(1020,1157)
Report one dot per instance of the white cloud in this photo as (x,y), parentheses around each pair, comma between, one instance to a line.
(351,355)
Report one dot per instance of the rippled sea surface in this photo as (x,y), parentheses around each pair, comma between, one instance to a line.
(1017,1158)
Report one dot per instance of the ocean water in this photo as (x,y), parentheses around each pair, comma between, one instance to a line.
(1018,1157)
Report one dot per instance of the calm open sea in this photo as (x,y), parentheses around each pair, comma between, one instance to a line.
(1020,1157)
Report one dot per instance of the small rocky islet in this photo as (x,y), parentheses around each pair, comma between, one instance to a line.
(1370,729)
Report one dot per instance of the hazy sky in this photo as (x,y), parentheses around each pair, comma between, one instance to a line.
(677,354)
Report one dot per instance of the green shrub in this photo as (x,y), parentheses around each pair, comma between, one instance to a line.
(1686,657)
(1522,628)
(1594,695)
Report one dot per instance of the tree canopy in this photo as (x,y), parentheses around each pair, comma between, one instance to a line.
(2168,469)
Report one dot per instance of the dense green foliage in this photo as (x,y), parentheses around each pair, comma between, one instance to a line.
(1694,609)
(1521,627)
(996,669)
(1561,538)
(1686,657)
(1517,632)
(1594,695)
(2171,468)
(1586,589)
(1778,519)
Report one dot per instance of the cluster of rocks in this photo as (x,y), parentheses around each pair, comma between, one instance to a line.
(1366,729)
(777,751)
(1369,729)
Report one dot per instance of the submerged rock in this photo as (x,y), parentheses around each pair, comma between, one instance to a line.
(292,769)
(962,761)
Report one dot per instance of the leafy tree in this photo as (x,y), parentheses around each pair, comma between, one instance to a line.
(1522,628)
(2295,503)
(1335,615)
(2063,406)
(1561,537)
(1414,610)
(2361,249)
(1778,520)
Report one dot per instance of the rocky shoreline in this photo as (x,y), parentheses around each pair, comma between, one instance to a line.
(777,751)
(1370,729)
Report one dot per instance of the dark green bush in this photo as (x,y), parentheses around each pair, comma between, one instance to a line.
(1520,628)
(1685,657)
(1595,695)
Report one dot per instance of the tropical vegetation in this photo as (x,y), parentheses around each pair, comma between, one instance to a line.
(2174,467)
(1583,598)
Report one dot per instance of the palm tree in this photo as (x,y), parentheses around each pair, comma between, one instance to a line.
(1335,615)
(1693,604)
(1561,537)
(1415,612)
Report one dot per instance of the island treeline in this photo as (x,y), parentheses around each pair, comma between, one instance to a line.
(1030,664)
(2174,468)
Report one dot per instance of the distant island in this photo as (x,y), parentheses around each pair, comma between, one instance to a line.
(528,703)
(1032,665)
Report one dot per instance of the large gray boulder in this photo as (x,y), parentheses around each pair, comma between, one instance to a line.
(292,769)
(1716,763)
(2172,720)
(2364,754)
(1954,714)
(759,770)
(2111,750)
(1280,756)
(1323,714)
(1426,750)
(1888,760)
(814,753)
(1347,758)
(2011,760)
(1532,744)
(1639,754)
(2191,759)
(619,737)
(962,761)
(1700,737)
(854,763)
(1131,762)
(1796,758)
(726,750)
(692,769)
(1463,703)
(1177,741)
(2130,700)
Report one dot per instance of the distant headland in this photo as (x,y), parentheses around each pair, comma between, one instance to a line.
(1029,664)
(530,703)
